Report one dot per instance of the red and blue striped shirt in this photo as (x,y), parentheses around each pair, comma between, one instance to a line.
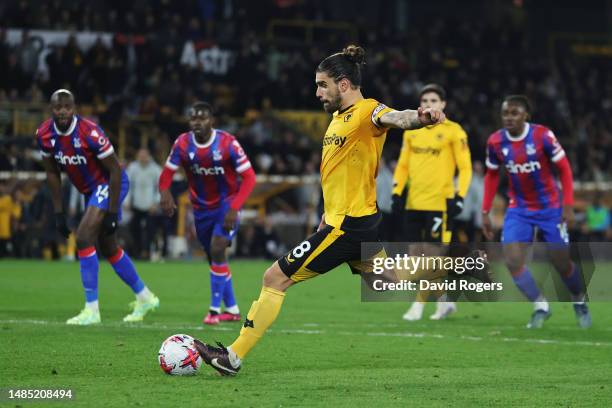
(212,169)
(77,151)
(528,159)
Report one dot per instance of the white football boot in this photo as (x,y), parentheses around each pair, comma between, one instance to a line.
(415,312)
(443,310)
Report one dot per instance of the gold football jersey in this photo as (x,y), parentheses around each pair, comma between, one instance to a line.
(352,147)
(427,164)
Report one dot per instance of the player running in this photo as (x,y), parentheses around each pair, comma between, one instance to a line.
(213,161)
(352,148)
(426,167)
(530,152)
(79,147)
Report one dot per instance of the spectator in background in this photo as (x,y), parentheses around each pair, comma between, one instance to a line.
(43,235)
(143,201)
(597,219)
(9,211)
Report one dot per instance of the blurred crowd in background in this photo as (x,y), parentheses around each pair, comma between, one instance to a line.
(163,55)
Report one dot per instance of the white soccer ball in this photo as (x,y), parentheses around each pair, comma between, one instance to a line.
(178,355)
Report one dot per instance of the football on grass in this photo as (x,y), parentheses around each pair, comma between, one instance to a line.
(178,356)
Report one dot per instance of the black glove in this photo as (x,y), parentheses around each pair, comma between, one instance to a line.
(454,206)
(397,204)
(109,224)
(61,225)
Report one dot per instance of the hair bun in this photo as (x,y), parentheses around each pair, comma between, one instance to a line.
(354,53)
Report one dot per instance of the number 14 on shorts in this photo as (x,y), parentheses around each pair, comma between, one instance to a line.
(102,192)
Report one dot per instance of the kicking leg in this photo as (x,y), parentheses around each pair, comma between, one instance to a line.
(262,314)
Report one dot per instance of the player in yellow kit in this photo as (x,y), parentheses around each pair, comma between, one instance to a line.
(351,152)
(426,167)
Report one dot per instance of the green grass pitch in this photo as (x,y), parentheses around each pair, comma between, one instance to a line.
(327,348)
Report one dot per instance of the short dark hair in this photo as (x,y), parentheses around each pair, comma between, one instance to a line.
(201,105)
(519,99)
(346,64)
(435,88)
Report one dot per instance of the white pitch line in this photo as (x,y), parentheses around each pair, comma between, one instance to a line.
(451,324)
(183,328)
(160,326)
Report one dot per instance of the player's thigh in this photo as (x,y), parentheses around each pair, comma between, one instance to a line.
(554,232)
(204,225)
(317,254)
(90,226)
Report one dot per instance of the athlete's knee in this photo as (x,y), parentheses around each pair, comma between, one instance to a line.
(217,250)
(275,278)
(107,251)
(515,267)
(84,239)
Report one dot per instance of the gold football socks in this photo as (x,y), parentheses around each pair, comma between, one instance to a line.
(262,314)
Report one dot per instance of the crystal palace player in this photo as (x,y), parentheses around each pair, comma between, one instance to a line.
(213,161)
(530,152)
(79,147)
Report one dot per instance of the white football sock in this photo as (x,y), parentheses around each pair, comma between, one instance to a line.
(144,295)
(215,309)
(92,305)
(418,306)
(579,299)
(232,309)
(541,304)
(233,358)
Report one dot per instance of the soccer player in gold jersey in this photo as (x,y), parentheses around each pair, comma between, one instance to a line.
(352,147)
(426,166)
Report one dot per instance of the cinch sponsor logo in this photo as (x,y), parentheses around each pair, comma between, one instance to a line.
(516,168)
(334,140)
(207,171)
(72,160)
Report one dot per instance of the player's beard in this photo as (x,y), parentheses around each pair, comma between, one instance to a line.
(62,123)
(333,104)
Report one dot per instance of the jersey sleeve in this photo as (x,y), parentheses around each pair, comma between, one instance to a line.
(400,176)
(174,158)
(552,147)
(375,114)
(46,150)
(463,158)
(98,143)
(492,160)
(239,159)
